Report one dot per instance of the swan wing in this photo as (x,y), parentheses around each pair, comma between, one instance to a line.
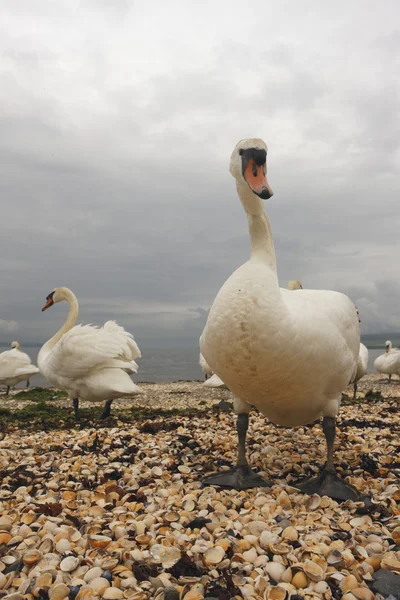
(86,348)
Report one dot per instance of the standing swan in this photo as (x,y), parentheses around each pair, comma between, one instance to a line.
(362,367)
(88,362)
(289,354)
(15,366)
(389,362)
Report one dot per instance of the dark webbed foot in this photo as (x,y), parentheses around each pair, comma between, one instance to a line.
(328,483)
(239,478)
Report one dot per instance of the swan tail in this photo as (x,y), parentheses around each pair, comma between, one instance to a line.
(110,383)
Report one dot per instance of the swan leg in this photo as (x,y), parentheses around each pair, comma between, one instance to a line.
(328,483)
(27,383)
(106,410)
(8,390)
(390,378)
(355,392)
(75,402)
(241,477)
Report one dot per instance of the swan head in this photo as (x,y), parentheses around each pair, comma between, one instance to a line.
(388,346)
(294,285)
(15,345)
(248,166)
(57,295)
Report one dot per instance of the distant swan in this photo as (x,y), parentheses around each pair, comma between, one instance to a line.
(362,367)
(88,362)
(388,363)
(15,366)
(290,355)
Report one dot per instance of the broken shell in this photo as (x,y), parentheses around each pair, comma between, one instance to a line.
(313,571)
(59,592)
(213,556)
(112,593)
(300,580)
(68,564)
(99,541)
(31,557)
(99,585)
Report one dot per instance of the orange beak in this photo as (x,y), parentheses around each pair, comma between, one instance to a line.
(256,177)
(48,304)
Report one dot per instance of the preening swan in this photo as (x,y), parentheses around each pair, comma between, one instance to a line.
(290,355)
(88,362)
(362,367)
(15,366)
(389,362)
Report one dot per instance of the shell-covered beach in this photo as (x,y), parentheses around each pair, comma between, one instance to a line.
(116,509)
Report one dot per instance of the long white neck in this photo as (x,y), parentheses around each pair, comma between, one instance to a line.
(69,321)
(262,245)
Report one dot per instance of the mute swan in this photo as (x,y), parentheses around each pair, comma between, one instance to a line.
(88,362)
(205,367)
(15,366)
(389,362)
(290,355)
(362,367)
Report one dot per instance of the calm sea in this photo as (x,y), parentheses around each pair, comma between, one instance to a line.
(162,364)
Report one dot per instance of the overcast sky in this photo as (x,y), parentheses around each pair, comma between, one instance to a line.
(117,121)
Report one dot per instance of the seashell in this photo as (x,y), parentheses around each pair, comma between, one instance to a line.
(99,541)
(290,533)
(166,555)
(213,556)
(5,523)
(113,593)
(313,571)
(321,587)
(300,580)
(275,570)
(31,557)
(363,593)
(277,593)
(348,583)
(93,573)
(280,548)
(5,537)
(44,580)
(389,561)
(63,545)
(144,539)
(85,592)
(313,502)
(109,563)
(335,558)
(3,581)
(46,546)
(171,517)
(68,564)
(250,555)
(184,469)
(189,505)
(59,592)
(99,585)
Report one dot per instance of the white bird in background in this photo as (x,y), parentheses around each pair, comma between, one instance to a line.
(88,362)
(290,355)
(388,363)
(362,367)
(15,366)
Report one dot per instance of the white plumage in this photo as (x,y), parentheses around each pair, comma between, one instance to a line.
(362,367)
(289,354)
(89,362)
(15,366)
(388,363)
